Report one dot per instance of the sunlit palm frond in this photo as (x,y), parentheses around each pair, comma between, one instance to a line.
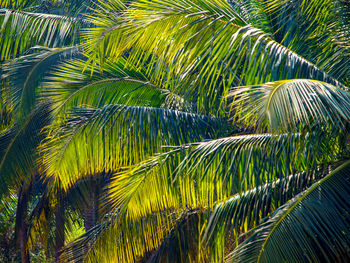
(136,132)
(120,239)
(202,48)
(16,4)
(106,20)
(292,104)
(27,72)
(314,226)
(68,87)
(20,31)
(201,174)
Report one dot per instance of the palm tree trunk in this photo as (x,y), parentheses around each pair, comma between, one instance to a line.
(60,227)
(21,224)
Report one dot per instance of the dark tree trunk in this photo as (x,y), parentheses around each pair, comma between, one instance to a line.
(21,225)
(60,226)
(91,209)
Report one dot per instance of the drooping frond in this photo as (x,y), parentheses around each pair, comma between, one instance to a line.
(26,73)
(136,132)
(18,149)
(312,227)
(106,21)
(242,212)
(69,87)
(289,105)
(315,30)
(21,30)
(202,48)
(201,174)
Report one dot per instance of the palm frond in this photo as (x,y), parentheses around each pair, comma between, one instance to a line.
(313,227)
(201,174)
(202,48)
(27,72)
(16,4)
(315,30)
(68,87)
(242,212)
(22,30)
(289,105)
(136,132)
(18,149)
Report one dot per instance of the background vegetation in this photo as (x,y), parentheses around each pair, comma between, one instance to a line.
(174,131)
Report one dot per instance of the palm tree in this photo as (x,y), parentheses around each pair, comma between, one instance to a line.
(203,130)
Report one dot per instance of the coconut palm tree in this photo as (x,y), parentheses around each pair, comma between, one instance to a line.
(203,130)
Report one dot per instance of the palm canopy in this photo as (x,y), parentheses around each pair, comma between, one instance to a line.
(207,129)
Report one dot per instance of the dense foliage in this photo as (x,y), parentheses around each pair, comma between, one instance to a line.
(174,131)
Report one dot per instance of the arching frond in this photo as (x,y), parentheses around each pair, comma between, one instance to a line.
(292,104)
(27,72)
(315,30)
(313,227)
(242,212)
(202,48)
(69,87)
(202,174)
(21,30)
(136,132)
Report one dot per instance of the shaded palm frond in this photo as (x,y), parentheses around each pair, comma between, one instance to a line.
(289,105)
(18,149)
(26,73)
(314,226)
(315,30)
(242,212)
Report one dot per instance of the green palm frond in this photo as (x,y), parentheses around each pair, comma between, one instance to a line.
(202,48)
(18,149)
(136,132)
(315,30)
(106,20)
(201,174)
(289,105)
(22,30)
(16,4)
(68,87)
(26,73)
(242,212)
(312,227)
(252,12)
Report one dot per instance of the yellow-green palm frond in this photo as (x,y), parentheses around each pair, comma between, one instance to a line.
(114,136)
(202,48)
(68,87)
(200,174)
